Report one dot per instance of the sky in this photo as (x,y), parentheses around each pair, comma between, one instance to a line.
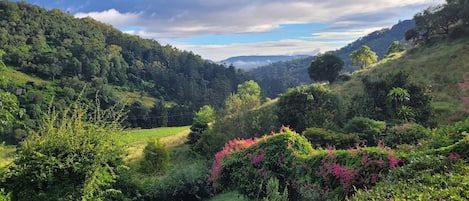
(218,29)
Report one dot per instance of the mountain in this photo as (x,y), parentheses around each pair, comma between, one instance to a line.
(275,78)
(378,41)
(250,62)
(51,54)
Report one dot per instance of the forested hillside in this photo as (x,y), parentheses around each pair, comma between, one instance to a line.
(161,84)
(277,77)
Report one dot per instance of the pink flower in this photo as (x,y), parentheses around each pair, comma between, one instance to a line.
(365,160)
(393,162)
(337,170)
(454,156)
(374,178)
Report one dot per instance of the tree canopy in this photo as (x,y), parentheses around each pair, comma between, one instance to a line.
(325,67)
(363,57)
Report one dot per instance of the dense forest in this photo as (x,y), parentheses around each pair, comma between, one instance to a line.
(275,78)
(74,54)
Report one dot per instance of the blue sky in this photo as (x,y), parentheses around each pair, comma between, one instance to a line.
(218,29)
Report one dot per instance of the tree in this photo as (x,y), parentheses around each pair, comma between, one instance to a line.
(202,118)
(363,57)
(73,156)
(310,106)
(326,67)
(156,157)
(395,47)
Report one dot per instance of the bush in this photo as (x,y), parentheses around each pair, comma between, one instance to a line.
(188,183)
(272,194)
(422,178)
(156,157)
(74,156)
(409,133)
(367,129)
(287,156)
(310,106)
(321,137)
(251,165)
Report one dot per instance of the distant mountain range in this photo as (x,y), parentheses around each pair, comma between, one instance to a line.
(276,77)
(250,62)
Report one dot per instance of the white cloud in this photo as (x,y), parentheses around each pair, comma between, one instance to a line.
(282,47)
(115,18)
(168,21)
(198,17)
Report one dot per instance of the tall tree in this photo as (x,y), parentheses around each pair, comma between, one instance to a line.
(326,67)
(363,57)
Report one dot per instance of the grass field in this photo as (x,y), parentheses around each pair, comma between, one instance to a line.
(21,78)
(141,136)
(136,140)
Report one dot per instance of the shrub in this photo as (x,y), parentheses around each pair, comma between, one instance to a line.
(272,193)
(272,156)
(74,156)
(367,129)
(422,178)
(156,157)
(409,133)
(188,183)
(308,173)
(321,137)
(310,106)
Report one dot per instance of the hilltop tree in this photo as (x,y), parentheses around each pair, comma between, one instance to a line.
(363,57)
(326,67)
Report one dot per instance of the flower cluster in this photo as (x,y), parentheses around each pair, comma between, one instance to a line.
(230,147)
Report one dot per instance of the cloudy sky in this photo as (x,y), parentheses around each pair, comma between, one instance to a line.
(218,29)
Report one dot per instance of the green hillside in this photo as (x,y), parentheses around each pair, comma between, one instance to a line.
(51,57)
(279,76)
(440,66)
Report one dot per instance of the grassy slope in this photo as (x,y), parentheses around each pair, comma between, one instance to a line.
(135,140)
(441,66)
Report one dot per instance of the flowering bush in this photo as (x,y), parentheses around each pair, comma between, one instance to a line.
(289,157)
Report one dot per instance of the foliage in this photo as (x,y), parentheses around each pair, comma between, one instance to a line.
(71,52)
(325,67)
(363,57)
(368,130)
(408,133)
(422,178)
(189,183)
(445,20)
(9,109)
(272,193)
(247,164)
(384,99)
(73,156)
(395,47)
(155,157)
(310,106)
(288,157)
(322,138)
(202,118)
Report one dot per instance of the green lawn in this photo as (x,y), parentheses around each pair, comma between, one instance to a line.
(141,136)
